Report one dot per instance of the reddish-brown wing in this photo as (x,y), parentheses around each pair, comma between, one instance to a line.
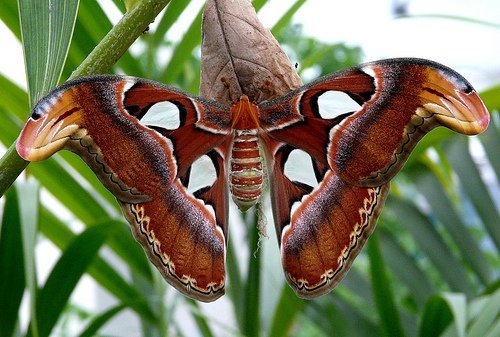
(354,156)
(147,168)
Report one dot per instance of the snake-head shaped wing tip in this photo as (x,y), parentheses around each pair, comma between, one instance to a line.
(477,109)
(455,103)
(52,122)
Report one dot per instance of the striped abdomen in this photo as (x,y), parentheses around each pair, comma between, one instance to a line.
(246,169)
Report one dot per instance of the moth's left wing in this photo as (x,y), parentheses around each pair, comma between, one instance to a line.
(146,164)
(354,156)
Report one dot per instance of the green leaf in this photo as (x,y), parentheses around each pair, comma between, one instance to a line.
(258,4)
(287,17)
(289,306)
(62,184)
(47,27)
(405,267)
(14,99)
(491,141)
(251,312)
(28,208)
(11,165)
(491,98)
(382,291)
(12,278)
(101,320)
(66,273)
(190,40)
(440,311)
(431,243)
(174,10)
(459,156)
(333,314)
(200,319)
(439,201)
(487,317)
(59,234)
(8,15)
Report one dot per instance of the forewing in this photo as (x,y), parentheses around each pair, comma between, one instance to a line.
(147,168)
(400,101)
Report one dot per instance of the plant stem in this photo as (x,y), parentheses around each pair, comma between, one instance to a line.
(100,60)
(11,166)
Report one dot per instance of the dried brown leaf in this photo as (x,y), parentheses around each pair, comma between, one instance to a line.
(240,56)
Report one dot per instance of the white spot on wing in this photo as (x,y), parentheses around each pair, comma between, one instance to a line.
(331,104)
(163,114)
(202,174)
(298,167)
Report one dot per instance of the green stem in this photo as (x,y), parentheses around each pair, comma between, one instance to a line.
(11,166)
(99,61)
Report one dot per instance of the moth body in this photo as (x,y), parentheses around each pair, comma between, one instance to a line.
(245,172)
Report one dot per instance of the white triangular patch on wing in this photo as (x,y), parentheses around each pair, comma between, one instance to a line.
(334,103)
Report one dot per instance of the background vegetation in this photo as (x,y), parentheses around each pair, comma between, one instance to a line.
(430,269)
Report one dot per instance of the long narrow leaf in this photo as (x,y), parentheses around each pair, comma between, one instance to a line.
(438,314)
(251,319)
(431,243)
(59,234)
(95,25)
(28,206)
(12,276)
(469,175)
(66,273)
(405,268)
(488,316)
(287,17)
(8,15)
(190,40)
(174,9)
(442,207)
(13,98)
(334,315)
(201,320)
(101,320)
(289,306)
(491,141)
(384,298)
(47,27)
(258,4)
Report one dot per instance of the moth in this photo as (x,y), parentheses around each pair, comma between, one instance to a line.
(320,228)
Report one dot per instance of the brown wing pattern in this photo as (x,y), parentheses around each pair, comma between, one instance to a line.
(98,118)
(354,155)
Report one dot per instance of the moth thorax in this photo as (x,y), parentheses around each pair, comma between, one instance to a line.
(246,169)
